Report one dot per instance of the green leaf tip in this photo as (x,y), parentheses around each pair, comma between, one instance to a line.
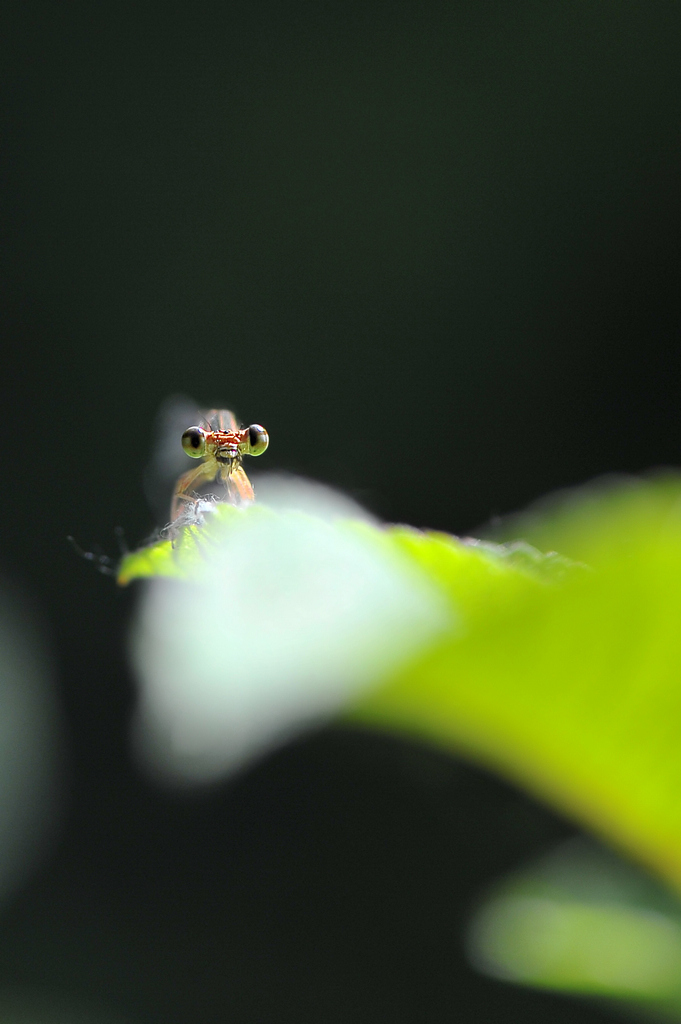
(179,553)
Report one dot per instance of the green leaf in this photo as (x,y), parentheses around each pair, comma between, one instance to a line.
(278,620)
(573,688)
(581,920)
(184,555)
(561,672)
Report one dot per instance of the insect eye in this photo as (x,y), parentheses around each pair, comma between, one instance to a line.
(258,439)
(194,442)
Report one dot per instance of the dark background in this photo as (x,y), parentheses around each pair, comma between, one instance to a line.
(434,248)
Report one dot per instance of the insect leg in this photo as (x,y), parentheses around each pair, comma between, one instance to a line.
(238,485)
(204,472)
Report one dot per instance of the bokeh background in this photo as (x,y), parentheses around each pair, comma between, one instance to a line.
(434,248)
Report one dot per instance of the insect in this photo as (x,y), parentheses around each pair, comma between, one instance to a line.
(221,444)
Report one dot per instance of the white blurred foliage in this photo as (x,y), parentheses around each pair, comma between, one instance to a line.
(293,613)
(28,745)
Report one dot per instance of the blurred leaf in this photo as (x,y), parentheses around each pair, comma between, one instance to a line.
(583,921)
(277,620)
(156,559)
(563,675)
(572,689)
(465,568)
(184,555)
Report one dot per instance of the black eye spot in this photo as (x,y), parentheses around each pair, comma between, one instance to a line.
(254,435)
(193,442)
(193,437)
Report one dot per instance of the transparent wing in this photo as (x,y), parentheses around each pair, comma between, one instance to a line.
(169,464)
(168,460)
(220,419)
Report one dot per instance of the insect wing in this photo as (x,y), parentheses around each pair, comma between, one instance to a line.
(168,460)
(220,419)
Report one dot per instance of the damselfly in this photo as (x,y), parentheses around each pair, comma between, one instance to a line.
(221,444)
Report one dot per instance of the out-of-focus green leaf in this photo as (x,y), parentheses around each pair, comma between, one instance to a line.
(154,560)
(185,554)
(563,675)
(462,568)
(280,615)
(572,688)
(583,921)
